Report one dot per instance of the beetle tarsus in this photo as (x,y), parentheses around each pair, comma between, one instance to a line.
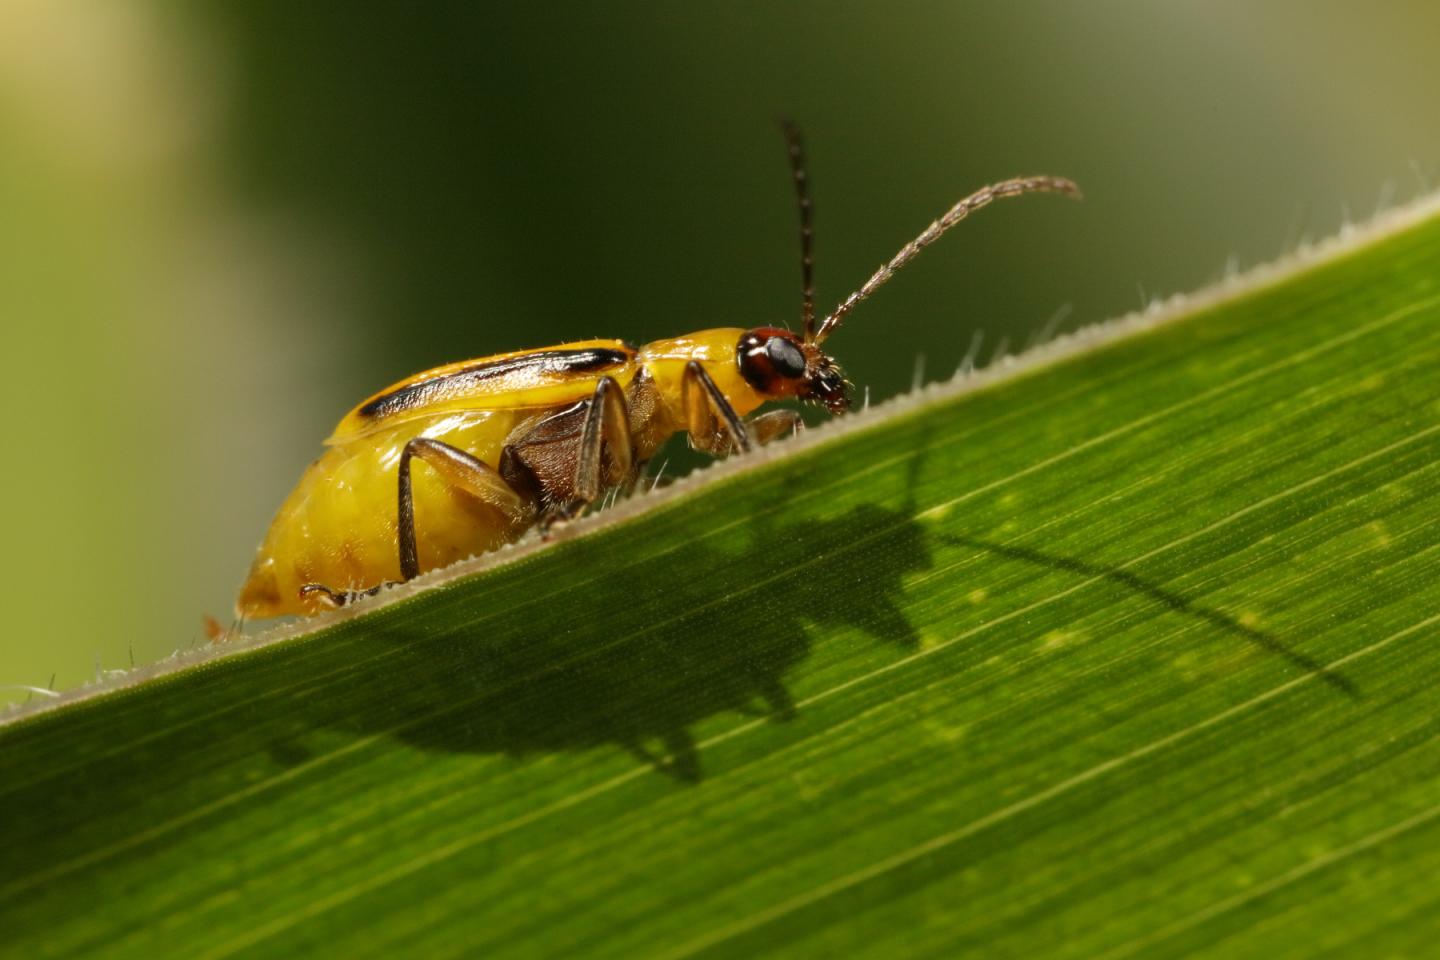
(767,426)
(331,598)
(335,599)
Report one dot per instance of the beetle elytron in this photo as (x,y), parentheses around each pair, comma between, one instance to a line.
(535,436)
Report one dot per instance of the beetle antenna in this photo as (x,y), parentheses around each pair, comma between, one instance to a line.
(795,146)
(980,198)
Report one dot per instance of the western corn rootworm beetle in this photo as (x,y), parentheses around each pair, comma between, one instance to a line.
(530,437)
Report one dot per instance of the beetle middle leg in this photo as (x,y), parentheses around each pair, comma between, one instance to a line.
(607,426)
(458,469)
(568,460)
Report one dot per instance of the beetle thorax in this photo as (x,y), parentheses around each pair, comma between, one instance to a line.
(662,365)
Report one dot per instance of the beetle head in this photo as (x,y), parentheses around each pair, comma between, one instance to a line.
(780,364)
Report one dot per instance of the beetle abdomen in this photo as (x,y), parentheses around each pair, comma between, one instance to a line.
(338,526)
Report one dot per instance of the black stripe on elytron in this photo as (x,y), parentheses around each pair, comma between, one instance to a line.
(422,392)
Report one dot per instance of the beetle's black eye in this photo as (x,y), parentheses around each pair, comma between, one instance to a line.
(785,357)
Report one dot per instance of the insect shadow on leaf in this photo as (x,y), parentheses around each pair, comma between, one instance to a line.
(639,663)
(1119,576)
(1171,599)
(648,648)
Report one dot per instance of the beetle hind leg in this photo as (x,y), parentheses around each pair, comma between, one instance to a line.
(457,469)
(335,599)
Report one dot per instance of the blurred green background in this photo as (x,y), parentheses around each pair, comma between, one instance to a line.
(224,224)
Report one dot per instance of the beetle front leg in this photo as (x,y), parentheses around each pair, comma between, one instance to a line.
(458,469)
(710,420)
(768,426)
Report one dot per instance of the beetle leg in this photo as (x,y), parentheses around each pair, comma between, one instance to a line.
(704,403)
(458,469)
(339,598)
(607,424)
(768,426)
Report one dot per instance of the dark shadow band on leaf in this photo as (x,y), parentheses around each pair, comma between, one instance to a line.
(640,675)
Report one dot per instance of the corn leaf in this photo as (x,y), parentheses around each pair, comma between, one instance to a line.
(1126,649)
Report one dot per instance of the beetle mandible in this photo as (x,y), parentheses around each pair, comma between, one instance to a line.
(531,437)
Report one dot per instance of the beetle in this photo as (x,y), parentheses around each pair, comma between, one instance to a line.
(536,436)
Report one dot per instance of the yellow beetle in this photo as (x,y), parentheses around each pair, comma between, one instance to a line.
(535,436)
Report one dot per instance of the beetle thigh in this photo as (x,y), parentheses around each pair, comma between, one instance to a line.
(458,469)
(607,426)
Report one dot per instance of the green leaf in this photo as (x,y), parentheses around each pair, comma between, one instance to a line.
(1124,649)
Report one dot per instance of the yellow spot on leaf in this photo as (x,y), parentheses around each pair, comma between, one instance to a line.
(929,641)
(936,514)
(945,732)
(1371,384)
(1056,639)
